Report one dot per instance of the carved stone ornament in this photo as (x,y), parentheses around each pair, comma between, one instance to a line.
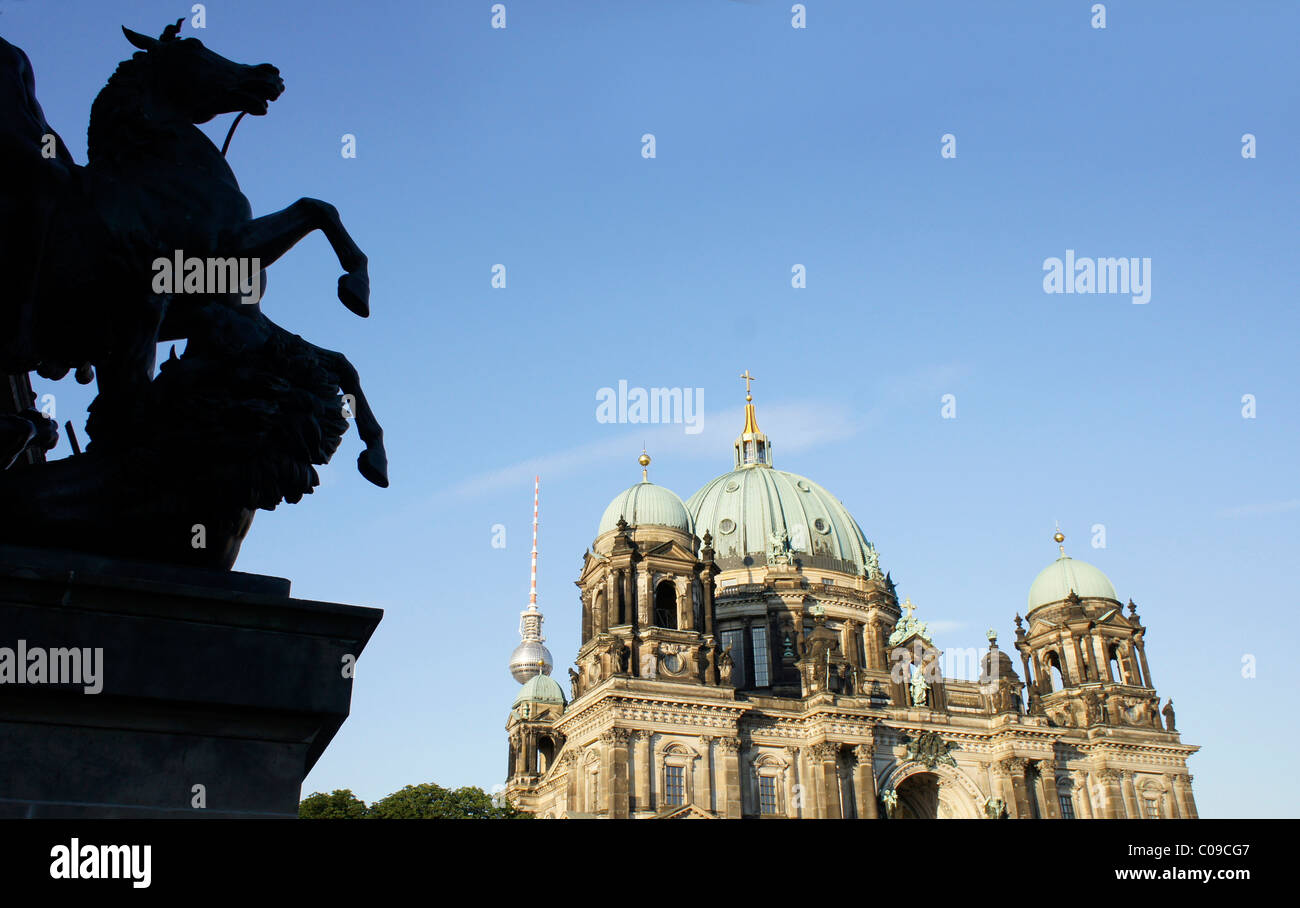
(826,750)
(616,736)
(930,749)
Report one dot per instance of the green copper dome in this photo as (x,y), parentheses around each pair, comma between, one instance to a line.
(540,689)
(1064,575)
(646,504)
(744,508)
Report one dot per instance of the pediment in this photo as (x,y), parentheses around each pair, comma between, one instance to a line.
(684,812)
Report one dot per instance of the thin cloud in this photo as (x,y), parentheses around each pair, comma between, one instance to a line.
(1258,510)
(793,426)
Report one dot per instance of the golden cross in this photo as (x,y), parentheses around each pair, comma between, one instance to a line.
(748,378)
(907,604)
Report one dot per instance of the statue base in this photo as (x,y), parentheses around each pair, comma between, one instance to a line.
(131,689)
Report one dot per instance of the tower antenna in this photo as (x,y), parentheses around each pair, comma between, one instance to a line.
(532,587)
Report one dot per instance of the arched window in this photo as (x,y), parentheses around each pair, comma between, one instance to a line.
(1117,664)
(1056,676)
(666,605)
(545,754)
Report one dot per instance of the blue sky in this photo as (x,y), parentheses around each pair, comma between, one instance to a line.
(776,147)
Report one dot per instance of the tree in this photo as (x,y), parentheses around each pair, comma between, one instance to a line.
(433,802)
(341,804)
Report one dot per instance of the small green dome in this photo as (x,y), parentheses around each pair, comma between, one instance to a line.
(1064,575)
(646,504)
(743,508)
(540,689)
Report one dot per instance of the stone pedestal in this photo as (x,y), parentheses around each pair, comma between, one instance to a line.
(216,688)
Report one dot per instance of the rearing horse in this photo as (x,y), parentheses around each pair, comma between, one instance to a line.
(82,253)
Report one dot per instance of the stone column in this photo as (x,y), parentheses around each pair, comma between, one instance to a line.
(643,768)
(702,795)
(615,744)
(826,759)
(1183,794)
(793,786)
(875,659)
(1082,796)
(1142,657)
(1081,670)
(730,798)
(706,586)
(864,783)
(1112,798)
(1105,659)
(1051,806)
(1135,806)
(1018,803)
(685,604)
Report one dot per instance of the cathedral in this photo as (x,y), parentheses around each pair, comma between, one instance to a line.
(743,654)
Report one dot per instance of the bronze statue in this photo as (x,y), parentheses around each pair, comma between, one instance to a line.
(176,463)
(1168,712)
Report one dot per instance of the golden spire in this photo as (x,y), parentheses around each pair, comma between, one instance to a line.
(752,448)
(751,420)
(644,460)
(1060,538)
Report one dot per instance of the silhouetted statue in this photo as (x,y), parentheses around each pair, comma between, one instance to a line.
(176,463)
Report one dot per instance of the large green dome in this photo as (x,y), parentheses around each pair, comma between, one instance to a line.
(744,508)
(1065,575)
(646,504)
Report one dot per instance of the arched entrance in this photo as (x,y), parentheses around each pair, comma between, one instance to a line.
(918,797)
(932,792)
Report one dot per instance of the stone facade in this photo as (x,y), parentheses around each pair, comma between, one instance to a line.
(776,688)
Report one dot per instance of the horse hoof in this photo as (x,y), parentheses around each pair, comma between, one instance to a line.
(354,292)
(374,467)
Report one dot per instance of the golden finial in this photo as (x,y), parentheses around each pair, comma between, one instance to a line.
(748,378)
(1060,538)
(644,460)
(909,607)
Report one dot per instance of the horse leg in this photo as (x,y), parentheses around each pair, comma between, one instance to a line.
(373,461)
(129,368)
(272,235)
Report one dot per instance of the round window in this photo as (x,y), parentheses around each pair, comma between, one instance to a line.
(821,526)
(727,526)
(671,663)
(803,485)
(731,485)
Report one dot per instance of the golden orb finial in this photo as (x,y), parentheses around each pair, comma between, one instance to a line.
(1060,538)
(644,460)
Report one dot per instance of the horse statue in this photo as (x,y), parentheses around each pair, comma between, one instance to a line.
(236,422)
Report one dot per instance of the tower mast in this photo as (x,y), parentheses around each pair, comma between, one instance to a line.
(530,657)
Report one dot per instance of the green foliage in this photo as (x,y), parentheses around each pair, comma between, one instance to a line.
(433,802)
(342,804)
(414,802)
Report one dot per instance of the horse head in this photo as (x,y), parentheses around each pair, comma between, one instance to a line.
(201,84)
